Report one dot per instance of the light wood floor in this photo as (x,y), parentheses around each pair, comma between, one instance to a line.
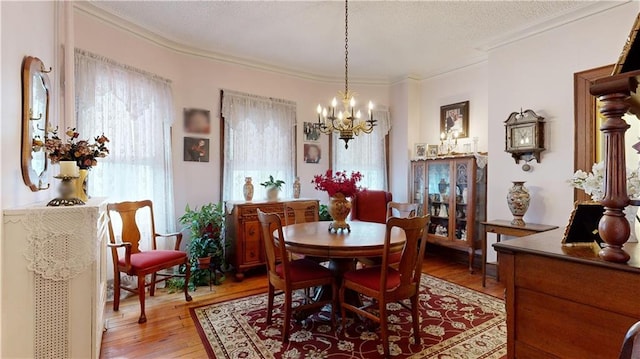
(170,332)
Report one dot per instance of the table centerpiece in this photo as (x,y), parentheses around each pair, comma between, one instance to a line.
(340,187)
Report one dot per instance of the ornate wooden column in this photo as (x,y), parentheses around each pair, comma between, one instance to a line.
(614,229)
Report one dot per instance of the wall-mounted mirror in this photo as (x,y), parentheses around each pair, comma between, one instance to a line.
(35,121)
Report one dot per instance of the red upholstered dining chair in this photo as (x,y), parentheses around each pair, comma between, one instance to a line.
(141,263)
(370,206)
(386,284)
(290,275)
(394,209)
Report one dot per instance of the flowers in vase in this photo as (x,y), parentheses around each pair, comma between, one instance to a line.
(593,183)
(339,182)
(84,153)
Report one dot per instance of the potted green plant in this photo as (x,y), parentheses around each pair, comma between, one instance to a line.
(323,213)
(273,188)
(206,226)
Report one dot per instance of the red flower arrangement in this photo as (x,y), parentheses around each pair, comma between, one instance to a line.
(84,153)
(338,183)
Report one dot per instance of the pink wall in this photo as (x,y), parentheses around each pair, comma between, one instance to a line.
(196,83)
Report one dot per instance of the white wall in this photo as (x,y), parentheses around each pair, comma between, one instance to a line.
(537,73)
(468,84)
(37,39)
(196,83)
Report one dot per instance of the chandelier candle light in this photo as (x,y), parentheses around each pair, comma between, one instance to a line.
(347,122)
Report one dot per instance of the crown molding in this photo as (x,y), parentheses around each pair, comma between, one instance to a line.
(588,9)
(125,25)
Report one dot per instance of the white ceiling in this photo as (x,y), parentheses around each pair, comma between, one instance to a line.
(387,40)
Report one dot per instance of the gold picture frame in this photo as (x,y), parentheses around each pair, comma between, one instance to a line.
(630,56)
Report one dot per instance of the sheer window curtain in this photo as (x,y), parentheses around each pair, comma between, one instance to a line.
(259,140)
(366,153)
(134,109)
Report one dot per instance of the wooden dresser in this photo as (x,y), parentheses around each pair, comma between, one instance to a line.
(54,280)
(566,302)
(243,230)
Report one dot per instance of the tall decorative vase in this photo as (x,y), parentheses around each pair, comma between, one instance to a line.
(339,208)
(296,188)
(247,189)
(81,185)
(518,200)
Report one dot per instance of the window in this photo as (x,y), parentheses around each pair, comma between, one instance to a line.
(259,141)
(367,153)
(134,110)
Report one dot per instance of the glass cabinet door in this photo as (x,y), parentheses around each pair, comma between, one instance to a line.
(461,199)
(419,187)
(439,197)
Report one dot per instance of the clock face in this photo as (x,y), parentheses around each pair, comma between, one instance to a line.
(523,137)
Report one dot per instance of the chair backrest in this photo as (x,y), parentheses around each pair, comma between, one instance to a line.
(370,206)
(631,344)
(269,223)
(410,266)
(300,210)
(401,210)
(130,230)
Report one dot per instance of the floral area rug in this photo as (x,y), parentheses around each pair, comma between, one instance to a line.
(456,322)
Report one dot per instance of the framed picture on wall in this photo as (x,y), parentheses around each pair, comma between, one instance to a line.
(312,153)
(420,151)
(196,149)
(197,121)
(455,118)
(311,132)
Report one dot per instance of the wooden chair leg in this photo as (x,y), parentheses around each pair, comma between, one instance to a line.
(334,304)
(270,303)
(116,291)
(187,276)
(343,312)
(384,335)
(415,316)
(287,316)
(143,317)
(152,288)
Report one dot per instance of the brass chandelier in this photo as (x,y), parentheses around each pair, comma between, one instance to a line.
(346,122)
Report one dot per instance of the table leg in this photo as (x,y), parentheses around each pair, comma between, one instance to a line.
(484,259)
(498,238)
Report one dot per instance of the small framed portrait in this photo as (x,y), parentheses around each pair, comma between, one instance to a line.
(420,151)
(196,149)
(312,153)
(197,121)
(455,118)
(311,132)
(432,151)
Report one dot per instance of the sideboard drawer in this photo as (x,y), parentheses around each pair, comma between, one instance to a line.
(251,242)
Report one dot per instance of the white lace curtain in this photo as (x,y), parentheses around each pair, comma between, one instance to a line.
(259,140)
(134,109)
(366,153)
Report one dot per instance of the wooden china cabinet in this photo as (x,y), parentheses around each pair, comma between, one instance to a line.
(453,190)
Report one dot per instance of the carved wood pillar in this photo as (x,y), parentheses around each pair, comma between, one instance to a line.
(614,227)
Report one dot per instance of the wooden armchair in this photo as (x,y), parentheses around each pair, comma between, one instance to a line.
(138,263)
(386,284)
(290,275)
(631,345)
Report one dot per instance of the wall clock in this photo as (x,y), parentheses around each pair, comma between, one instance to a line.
(524,135)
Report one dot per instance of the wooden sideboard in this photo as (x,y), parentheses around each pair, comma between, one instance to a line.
(243,231)
(566,302)
(54,280)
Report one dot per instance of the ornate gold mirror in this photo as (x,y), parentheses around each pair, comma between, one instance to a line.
(35,121)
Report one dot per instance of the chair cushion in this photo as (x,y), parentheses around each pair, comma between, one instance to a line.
(370,277)
(304,269)
(150,259)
